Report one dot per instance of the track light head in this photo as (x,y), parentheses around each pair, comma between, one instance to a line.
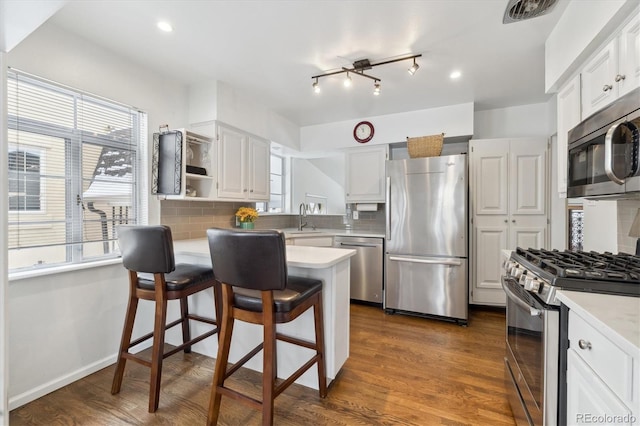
(413,68)
(376,88)
(316,87)
(347,80)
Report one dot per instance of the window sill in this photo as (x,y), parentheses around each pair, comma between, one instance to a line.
(22,275)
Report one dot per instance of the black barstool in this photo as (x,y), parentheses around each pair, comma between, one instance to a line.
(147,253)
(252,268)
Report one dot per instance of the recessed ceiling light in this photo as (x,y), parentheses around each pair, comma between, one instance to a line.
(165,26)
(455,74)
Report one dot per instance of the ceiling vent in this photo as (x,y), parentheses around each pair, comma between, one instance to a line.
(519,10)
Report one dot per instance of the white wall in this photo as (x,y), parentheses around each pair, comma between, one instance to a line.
(4,281)
(514,122)
(627,210)
(454,120)
(600,225)
(320,176)
(67,325)
(216,100)
(19,18)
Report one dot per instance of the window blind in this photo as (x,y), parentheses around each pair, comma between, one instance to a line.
(73,172)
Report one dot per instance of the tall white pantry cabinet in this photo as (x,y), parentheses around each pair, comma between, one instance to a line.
(509,207)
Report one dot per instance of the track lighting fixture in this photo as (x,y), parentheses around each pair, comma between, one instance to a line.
(376,87)
(360,66)
(413,68)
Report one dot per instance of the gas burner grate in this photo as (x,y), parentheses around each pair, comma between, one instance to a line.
(585,265)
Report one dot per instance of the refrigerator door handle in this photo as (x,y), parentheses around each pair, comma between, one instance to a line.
(388,210)
(427,261)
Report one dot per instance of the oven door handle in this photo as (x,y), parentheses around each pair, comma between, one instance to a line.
(514,297)
(608,155)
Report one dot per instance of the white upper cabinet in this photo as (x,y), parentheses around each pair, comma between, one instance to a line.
(613,71)
(528,177)
(243,166)
(489,163)
(598,75)
(232,163)
(365,174)
(628,77)
(568,117)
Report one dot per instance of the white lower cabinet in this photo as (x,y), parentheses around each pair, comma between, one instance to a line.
(600,377)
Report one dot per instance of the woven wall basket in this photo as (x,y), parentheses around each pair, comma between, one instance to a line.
(425,146)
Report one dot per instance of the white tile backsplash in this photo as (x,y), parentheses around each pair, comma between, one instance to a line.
(627,210)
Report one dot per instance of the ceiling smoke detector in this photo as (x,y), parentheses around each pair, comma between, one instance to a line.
(519,10)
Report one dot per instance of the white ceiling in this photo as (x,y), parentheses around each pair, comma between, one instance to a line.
(270,49)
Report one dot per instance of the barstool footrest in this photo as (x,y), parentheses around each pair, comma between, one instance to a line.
(239,396)
(136,358)
(294,376)
(296,341)
(190,342)
(243,360)
(202,319)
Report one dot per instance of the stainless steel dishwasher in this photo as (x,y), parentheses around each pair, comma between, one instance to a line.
(366,267)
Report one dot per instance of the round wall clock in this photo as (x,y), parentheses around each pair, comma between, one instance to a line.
(363,132)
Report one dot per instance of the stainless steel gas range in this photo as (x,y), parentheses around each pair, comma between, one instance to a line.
(536,336)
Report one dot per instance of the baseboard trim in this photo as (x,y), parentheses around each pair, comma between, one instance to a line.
(60,382)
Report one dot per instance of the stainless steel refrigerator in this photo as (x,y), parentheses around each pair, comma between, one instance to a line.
(426,237)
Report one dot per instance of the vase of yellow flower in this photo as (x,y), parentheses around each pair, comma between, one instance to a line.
(246,217)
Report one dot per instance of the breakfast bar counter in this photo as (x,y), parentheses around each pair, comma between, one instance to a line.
(331,265)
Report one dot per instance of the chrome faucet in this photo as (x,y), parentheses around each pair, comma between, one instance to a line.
(300,216)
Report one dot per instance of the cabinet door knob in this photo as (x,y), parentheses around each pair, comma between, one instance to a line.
(620,77)
(584,344)
(506,221)
(251,190)
(513,221)
(607,87)
(245,190)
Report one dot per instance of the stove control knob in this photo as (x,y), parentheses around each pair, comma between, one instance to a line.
(517,272)
(508,265)
(532,284)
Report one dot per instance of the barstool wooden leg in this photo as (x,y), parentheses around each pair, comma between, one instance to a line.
(217,305)
(186,332)
(319,326)
(157,351)
(224,345)
(127,331)
(269,358)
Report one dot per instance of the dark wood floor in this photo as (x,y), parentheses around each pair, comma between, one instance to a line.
(401,371)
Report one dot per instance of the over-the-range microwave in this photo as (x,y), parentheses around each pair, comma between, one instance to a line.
(604,152)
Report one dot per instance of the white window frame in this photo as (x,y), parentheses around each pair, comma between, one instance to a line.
(75,259)
(264,207)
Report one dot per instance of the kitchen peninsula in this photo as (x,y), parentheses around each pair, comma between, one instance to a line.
(332,266)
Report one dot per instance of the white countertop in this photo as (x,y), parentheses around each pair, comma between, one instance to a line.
(617,316)
(297,256)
